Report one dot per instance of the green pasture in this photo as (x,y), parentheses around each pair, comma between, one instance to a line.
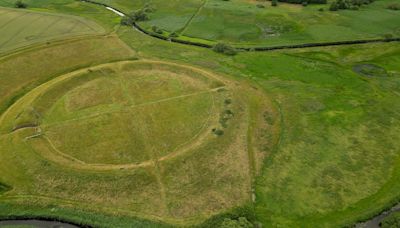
(20,28)
(337,161)
(242,23)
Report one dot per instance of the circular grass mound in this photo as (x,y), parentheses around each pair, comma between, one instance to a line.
(178,144)
(127,113)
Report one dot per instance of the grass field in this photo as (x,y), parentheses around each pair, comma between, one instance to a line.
(338,138)
(21,28)
(125,130)
(242,23)
(169,154)
(29,69)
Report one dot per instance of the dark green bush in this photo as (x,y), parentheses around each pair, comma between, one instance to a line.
(174,34)
(156,29)
(306,1)
(20,4)
(394,6)
(392,220)
(139,15)
(4,188)
(241,222)
(348,4)
(218,132)
(274,3)
(127,21)
(224,49)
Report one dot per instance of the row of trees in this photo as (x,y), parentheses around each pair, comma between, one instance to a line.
(348,4)
(304,1)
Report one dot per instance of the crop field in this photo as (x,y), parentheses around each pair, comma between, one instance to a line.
(104,125)
(23,28)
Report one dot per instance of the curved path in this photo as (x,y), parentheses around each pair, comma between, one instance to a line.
(261,48)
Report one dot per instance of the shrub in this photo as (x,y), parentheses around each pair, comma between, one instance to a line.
(388,36)
(354,7)
(334,6)
(174,34)
(321,10)
(392,220)
(348,4)
(218,132)
(274,3)
(304,3)
(260,6)
(139,15)
(308,1)
(394,6)
(148,8)
(224,49)
(20,4)
(241,222)
(156,29)
(127,21)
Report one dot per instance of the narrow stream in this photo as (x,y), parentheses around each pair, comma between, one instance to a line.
(36,223)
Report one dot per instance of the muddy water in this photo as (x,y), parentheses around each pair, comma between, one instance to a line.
(375,221)
(35,223)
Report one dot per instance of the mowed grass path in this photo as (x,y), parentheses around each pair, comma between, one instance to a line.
(20,28)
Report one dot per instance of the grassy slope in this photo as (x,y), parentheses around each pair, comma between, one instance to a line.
(23,28)
(336,111)
(34,67)
(337,162)
(151,192)
(106,19)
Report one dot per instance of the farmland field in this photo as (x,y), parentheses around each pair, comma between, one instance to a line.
(106,126)
(23,28)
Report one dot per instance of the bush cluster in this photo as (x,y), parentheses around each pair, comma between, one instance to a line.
(391,221)
(394,6)
(305,2)
(139,15)
(20,4)
(348,4)
(224,49)
(241,222)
